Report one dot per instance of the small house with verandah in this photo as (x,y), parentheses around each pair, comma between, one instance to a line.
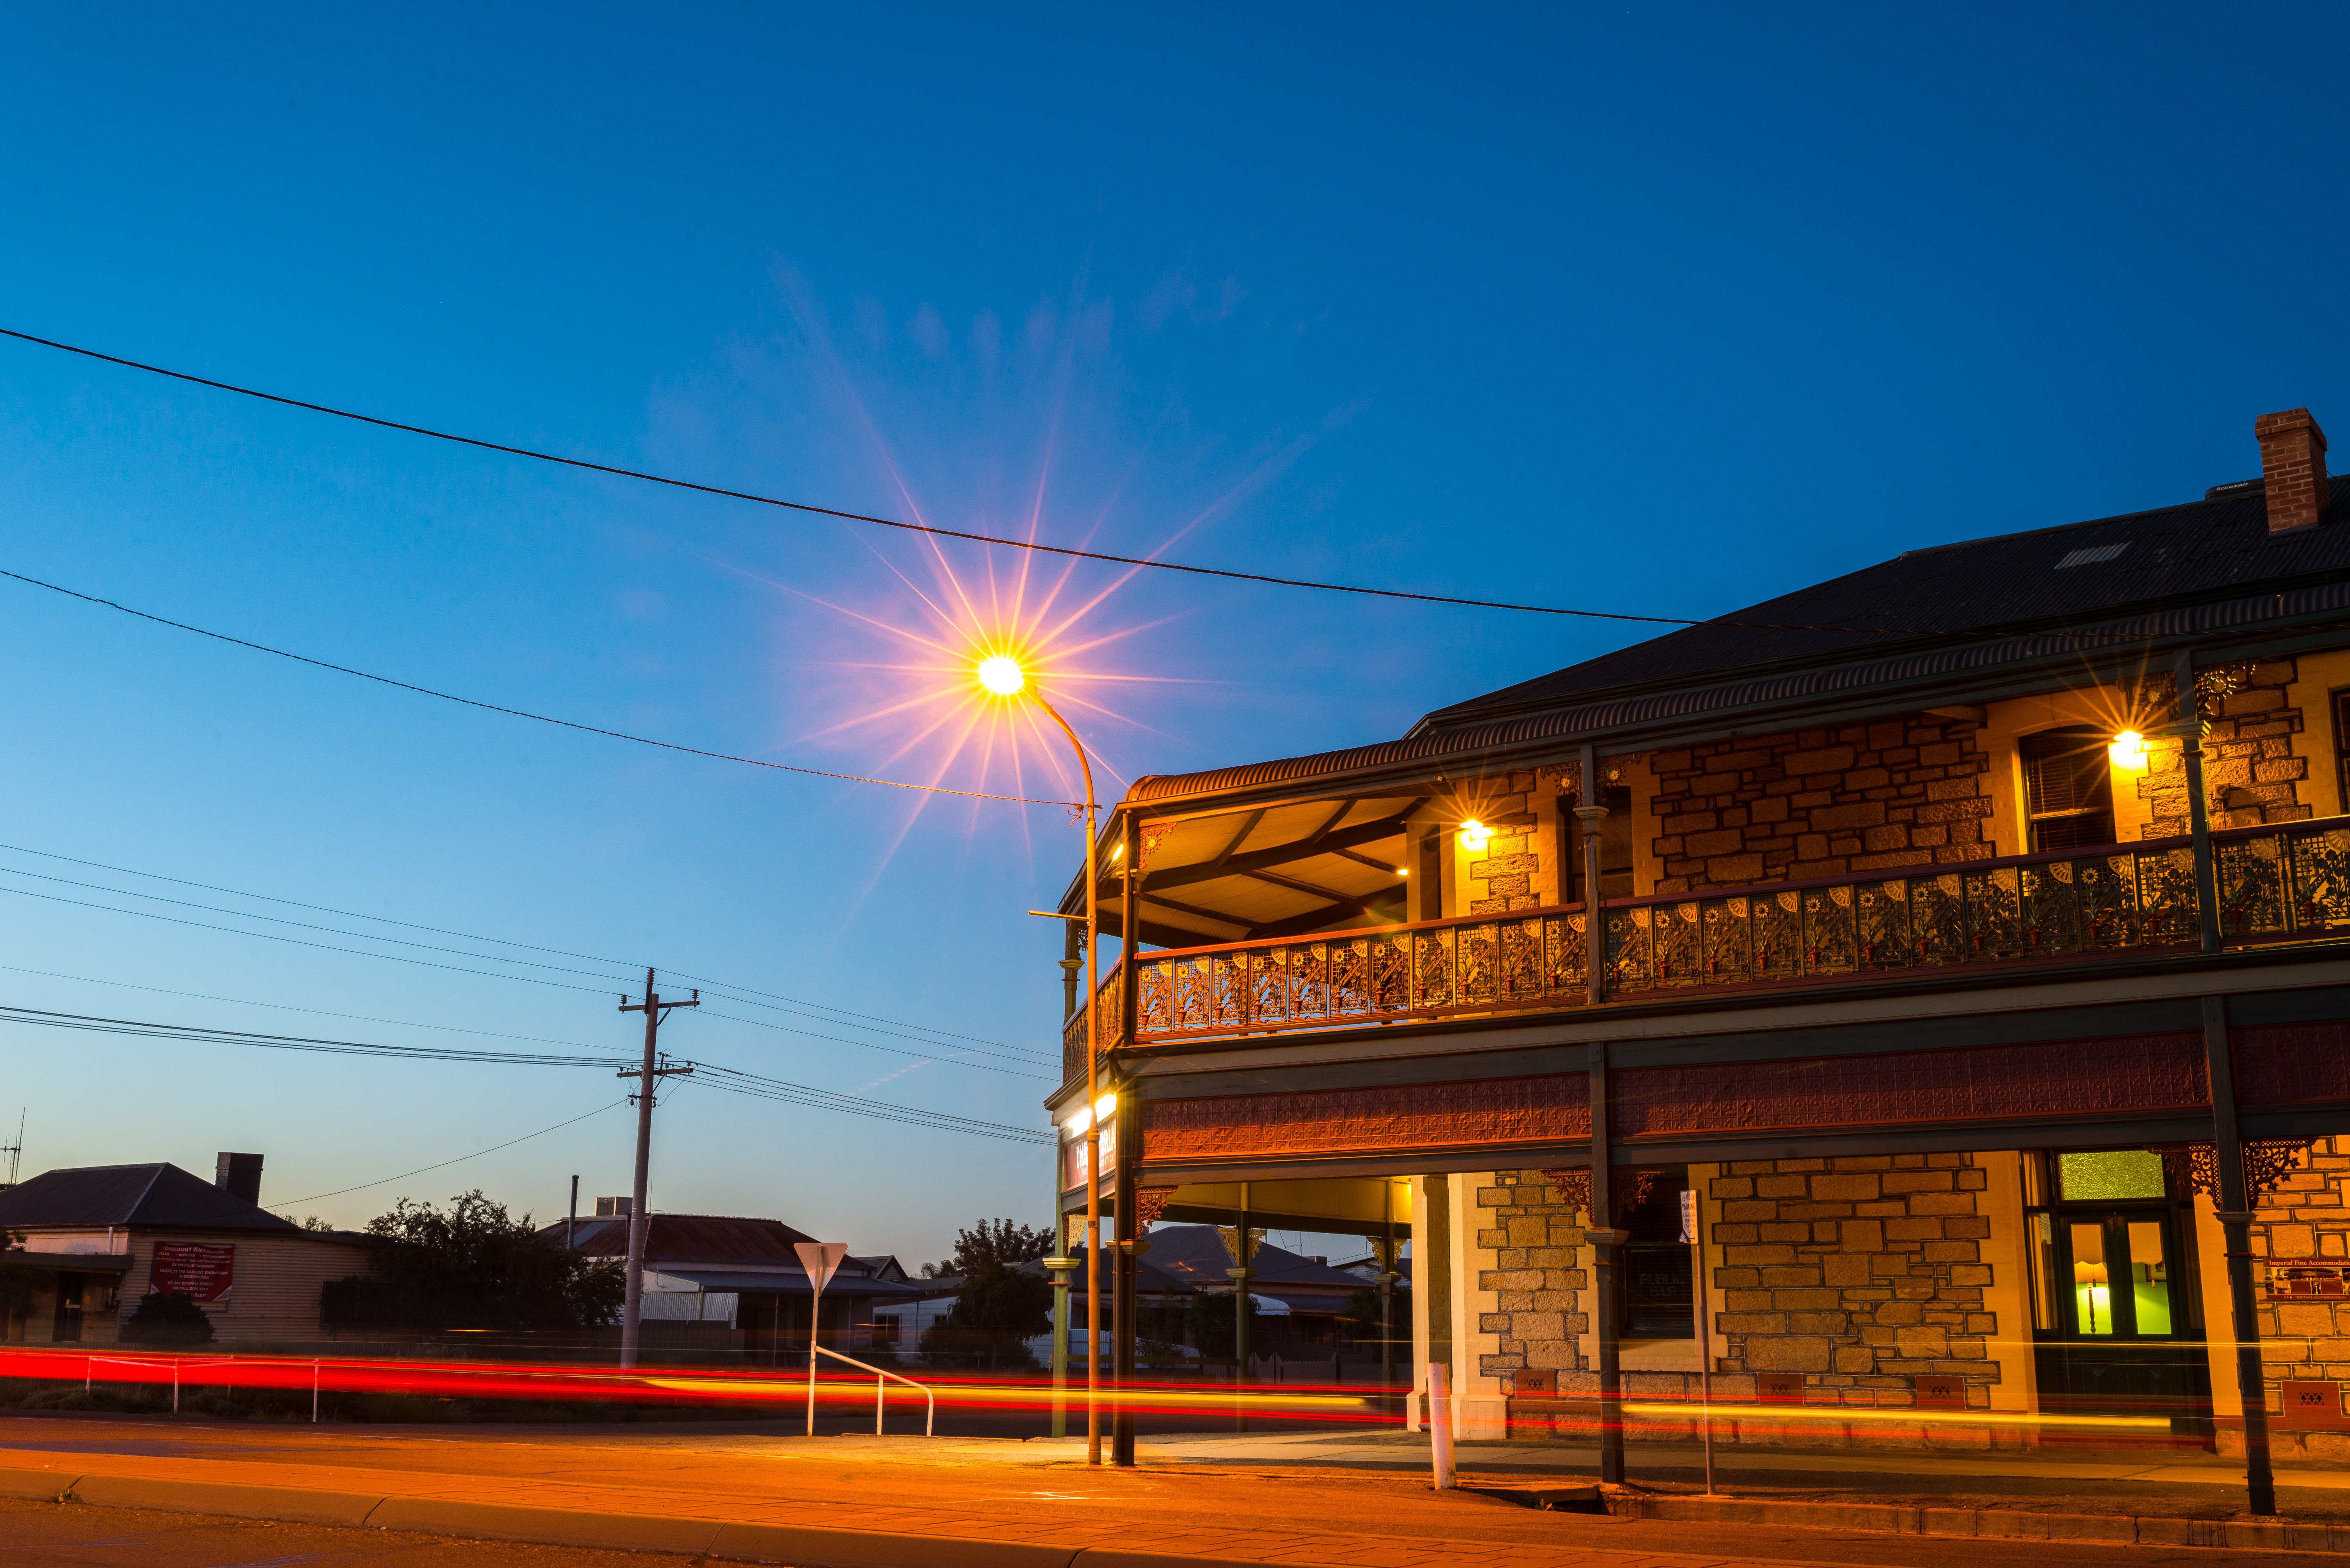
(102,1237)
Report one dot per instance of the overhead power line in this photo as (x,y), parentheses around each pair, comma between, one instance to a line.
(756,499)
(732,1080)
(289,1007)
(717,988)
(362,1187)
(524,714)
(198,1035)
(943,1053)
(766,1088)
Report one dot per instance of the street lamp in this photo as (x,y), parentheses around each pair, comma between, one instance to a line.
(1002,675)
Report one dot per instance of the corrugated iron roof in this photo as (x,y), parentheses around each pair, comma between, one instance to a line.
(693,1238)
(161,1197)
(2184,571)
(2176,555)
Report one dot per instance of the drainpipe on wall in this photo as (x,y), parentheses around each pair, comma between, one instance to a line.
(1591,813)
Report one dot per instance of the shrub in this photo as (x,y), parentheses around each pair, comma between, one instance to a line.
(167,1322)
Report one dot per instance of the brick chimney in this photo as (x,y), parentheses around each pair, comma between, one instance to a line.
(239,1175)
(2293,465)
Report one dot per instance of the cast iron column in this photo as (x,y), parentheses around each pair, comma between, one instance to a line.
(2235,1216)
(1130,1240)
(1605,1239)
(1591,813)
(2190,730)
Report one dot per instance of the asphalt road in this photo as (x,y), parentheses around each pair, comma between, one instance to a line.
(49,1535)
(970,1487)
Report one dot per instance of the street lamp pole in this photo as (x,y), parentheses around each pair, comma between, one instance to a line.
(1093,1099)
(1002,674)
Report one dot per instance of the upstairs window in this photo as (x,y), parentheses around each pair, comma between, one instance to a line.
(2068,788)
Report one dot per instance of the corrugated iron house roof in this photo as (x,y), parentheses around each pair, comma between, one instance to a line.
(144,1197)
(691,1237)
(731,1252)
(1928,617)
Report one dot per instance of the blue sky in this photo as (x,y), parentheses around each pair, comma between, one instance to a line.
(1655,308)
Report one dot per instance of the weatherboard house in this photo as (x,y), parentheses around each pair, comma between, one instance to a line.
(1967,937)
(102,1236)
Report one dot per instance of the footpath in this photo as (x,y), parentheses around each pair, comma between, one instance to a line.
(1352,1501)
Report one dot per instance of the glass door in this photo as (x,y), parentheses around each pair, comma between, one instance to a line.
(2121,1283)
(2112,1302)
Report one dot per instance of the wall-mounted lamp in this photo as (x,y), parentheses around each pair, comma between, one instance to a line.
(2128,749)
(1474,836)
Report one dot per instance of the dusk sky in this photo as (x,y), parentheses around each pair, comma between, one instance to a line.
(1654,309)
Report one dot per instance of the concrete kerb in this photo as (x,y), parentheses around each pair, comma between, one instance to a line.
(819,1548)
(807,1547)
(1990,1523)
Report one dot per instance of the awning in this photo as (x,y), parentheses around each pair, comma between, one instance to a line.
(83,1262)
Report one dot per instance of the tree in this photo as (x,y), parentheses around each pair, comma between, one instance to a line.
(472,1266)
(998,1242)
(999,1308)
(1359,1318)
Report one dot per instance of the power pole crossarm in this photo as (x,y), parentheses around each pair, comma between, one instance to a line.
(655,1010)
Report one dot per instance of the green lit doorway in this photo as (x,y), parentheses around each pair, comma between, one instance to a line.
(2117,1317)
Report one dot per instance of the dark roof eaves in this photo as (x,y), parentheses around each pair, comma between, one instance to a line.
(1581,722)
(1475,713)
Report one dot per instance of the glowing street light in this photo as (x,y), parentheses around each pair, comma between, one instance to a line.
(1002,675)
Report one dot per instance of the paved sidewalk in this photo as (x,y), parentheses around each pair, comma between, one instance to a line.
(1401,1451)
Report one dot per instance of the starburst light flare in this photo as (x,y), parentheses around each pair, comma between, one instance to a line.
(1002,674)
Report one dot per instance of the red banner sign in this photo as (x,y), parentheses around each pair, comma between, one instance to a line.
(201,1273)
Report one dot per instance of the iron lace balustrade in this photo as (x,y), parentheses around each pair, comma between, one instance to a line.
(2286,882)
(1113,1023)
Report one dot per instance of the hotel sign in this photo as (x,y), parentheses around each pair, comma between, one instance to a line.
(200,1274)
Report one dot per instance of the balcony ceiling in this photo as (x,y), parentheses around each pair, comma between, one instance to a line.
(1285,870)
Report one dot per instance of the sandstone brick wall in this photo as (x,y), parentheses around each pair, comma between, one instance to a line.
(2303,1339)
(1509,874)
(1821,803)
(2249,766)
(1857,1273)
(1536,1283)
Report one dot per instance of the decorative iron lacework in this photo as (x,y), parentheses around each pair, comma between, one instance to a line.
(2282,881)
(2267,1162)
(1549,1108)
(1149,1203)
(1632,1185)
(2114,1074)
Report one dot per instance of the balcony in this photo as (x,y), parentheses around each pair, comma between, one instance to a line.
(2279,883)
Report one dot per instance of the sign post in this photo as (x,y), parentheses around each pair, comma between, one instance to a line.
(821,1259)
(1695,1236)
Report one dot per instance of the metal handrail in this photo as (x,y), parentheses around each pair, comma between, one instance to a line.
(90,1361)
(929,1420)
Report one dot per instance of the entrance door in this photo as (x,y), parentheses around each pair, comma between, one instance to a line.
(2114,1305)
(66,1330)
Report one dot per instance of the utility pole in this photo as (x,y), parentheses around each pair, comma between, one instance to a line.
(15,1151)
(571,1219)
(655,1010)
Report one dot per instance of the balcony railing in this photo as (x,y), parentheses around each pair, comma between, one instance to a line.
(2275,883)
